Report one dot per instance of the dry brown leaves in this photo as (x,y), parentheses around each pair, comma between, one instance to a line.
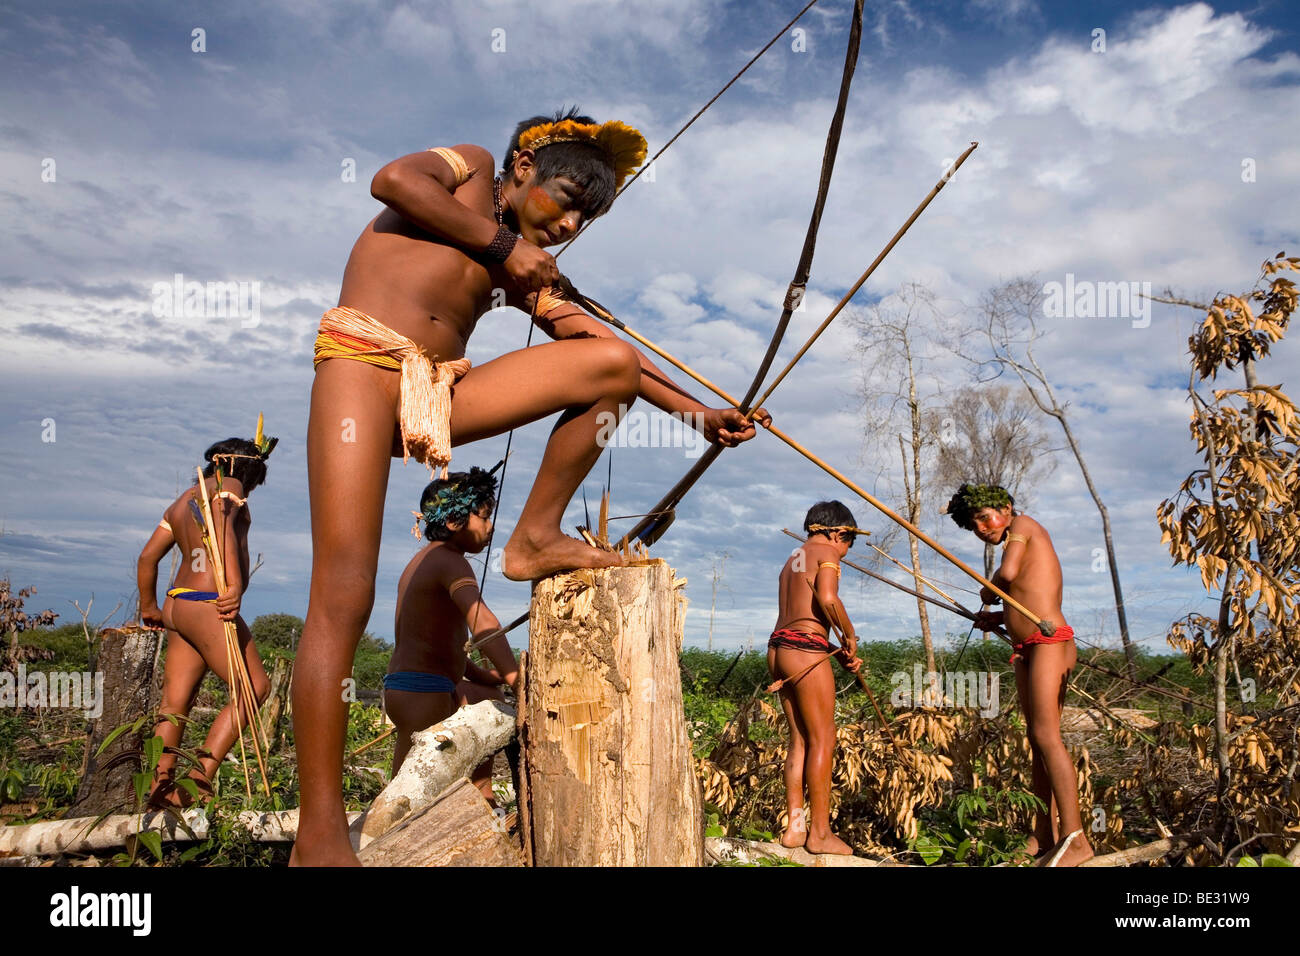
(876,795)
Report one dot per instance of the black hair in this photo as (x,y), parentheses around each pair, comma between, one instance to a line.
(830,514)
(249,472)
(585,163)
(971,498)
(454,499)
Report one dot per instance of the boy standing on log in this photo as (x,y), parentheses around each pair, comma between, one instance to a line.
(438,607)
(798,655)
(451,244)
(1031,573)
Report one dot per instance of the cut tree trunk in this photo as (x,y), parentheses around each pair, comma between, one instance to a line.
(128,659)
(277,702)
(610,773)
(438,758)
(457,829)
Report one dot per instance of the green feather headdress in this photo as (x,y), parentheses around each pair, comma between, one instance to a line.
(457,499)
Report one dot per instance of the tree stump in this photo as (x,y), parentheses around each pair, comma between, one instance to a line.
(128,659)
(277,703)
(607,763)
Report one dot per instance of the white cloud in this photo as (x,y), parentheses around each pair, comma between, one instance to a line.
(1116,166)
(670,296)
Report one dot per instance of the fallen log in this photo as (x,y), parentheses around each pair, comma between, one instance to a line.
(732,850)
(438,758)
(81,835)
(458,828)
(1147,851)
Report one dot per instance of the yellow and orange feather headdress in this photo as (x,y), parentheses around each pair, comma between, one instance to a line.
(624,145)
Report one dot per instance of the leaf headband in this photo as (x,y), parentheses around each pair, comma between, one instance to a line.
(971,498)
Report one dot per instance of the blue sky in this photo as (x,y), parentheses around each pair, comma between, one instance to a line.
(225,165)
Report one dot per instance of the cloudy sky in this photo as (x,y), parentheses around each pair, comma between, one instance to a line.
(1162,151)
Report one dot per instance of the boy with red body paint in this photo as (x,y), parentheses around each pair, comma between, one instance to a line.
(423,272)
(1031,574)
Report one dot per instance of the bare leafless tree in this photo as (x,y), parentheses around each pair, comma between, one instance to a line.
(989,435)
(894,337)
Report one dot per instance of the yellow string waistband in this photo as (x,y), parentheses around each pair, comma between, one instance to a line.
(425,413)
(176,592)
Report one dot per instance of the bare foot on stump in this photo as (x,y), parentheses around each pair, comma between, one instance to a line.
(528,558)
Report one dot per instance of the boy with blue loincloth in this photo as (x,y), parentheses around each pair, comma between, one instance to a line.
(438,607)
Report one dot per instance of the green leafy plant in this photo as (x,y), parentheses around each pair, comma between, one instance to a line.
(58,781)
(147,758)
(977,828)
(11,784)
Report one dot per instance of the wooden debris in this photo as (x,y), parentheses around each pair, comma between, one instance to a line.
(438,758)
(458,828)
(732,850)
(1082,719)
(1146,852)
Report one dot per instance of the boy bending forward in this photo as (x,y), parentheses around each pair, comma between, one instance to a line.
(420,276)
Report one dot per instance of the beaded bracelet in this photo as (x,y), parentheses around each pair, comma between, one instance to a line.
(502,245)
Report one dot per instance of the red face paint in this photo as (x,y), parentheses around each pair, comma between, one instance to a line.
(541,202)
(989,522)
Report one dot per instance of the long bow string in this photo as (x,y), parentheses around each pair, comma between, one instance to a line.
(649,529)
(857,30)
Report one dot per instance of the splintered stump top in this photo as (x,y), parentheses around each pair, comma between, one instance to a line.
(609,771)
